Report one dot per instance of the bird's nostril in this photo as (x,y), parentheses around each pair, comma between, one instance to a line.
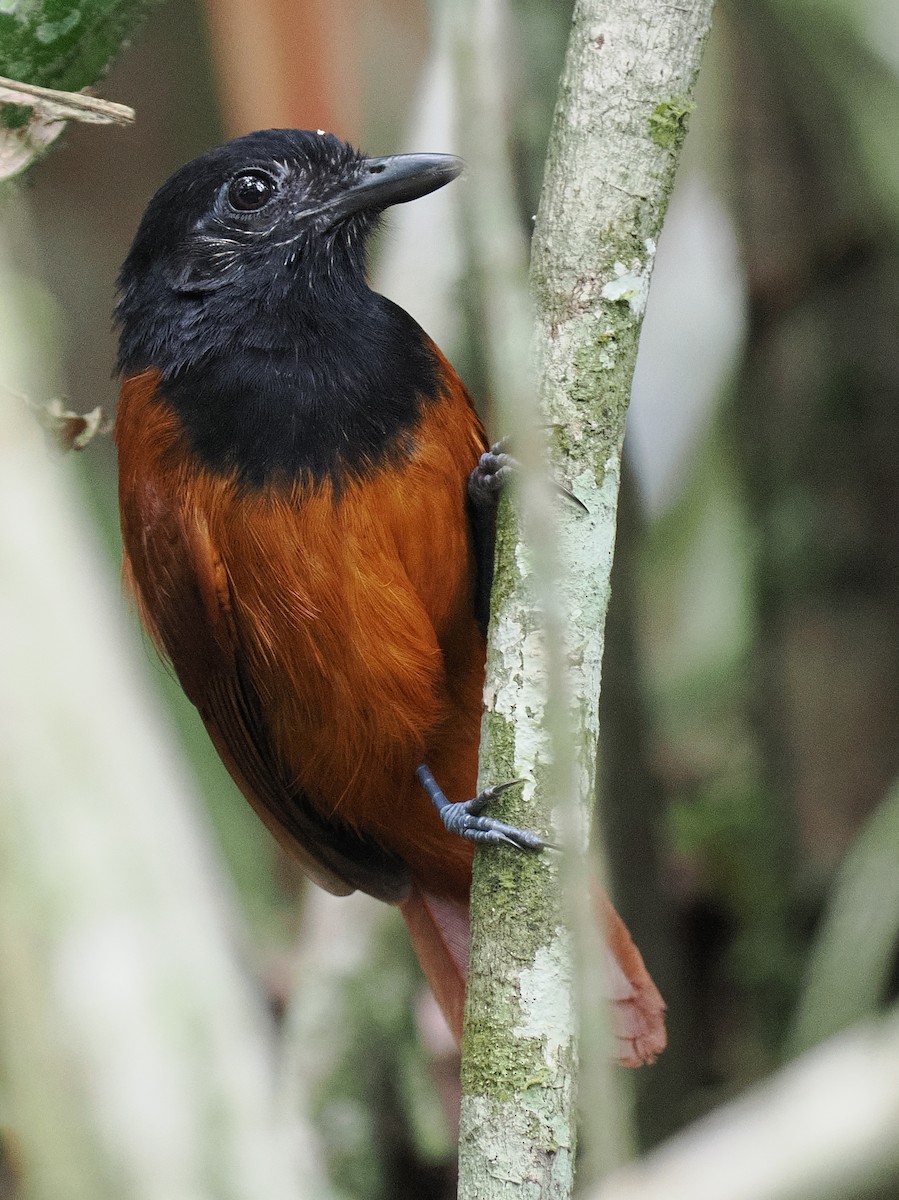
(376,170)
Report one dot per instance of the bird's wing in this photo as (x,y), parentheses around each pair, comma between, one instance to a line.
(180,583)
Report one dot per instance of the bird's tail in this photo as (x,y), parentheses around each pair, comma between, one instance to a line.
(439,932)
(638,1010)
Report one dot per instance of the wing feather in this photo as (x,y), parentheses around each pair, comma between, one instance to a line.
(182,588)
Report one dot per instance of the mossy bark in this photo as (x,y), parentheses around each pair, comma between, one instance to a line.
(608,177)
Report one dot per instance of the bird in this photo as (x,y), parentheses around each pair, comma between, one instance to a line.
(307,499)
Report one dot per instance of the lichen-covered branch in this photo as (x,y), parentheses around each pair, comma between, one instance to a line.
(624,99)
(518,1054)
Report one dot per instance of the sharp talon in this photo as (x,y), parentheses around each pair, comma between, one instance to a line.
(479,802)
(496,789)
(569,495)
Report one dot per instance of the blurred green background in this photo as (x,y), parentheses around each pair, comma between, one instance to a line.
(750,711)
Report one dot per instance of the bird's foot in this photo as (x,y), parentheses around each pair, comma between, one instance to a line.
(465,818)
(494,470)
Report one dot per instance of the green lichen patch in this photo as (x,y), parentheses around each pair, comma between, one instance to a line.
(497,1067)
(590,369)
(505,579)
(668,121)
(514,896)
(499,735)
(604,387)
(15,116)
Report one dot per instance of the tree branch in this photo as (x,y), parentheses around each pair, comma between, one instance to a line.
(619,123)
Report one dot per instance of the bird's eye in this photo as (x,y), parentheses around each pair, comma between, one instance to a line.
(250,191)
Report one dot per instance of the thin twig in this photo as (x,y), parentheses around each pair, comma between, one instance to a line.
(54,105)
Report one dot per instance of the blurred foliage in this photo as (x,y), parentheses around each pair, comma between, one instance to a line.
(770,588)
(723,830)
(385,1133)
(854,954)
(64,45)
(538,37)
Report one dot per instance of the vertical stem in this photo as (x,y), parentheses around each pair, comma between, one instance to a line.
(620,121)
(618,126)
(520,1055)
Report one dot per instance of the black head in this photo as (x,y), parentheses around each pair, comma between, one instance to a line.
(277,220)
(245,288)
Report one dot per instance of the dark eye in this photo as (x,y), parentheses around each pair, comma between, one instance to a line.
(251,190)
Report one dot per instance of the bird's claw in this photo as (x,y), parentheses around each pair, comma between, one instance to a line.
(494,470)
(478,803)
(465,819)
